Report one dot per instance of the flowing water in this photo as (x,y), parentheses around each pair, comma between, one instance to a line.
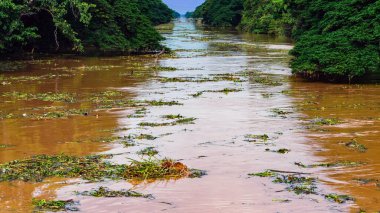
(268,102)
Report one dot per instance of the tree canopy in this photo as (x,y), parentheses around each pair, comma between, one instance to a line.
(81,25)
(220,13)
(338,39)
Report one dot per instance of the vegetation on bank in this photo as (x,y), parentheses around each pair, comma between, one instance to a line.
(335,40)
(220,13)
(81,26)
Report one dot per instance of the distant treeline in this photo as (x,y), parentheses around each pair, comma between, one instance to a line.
(42,26)
(338,40)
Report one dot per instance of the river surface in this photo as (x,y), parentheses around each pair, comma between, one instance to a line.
(271,103)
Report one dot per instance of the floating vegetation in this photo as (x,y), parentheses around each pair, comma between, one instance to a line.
(140,113)
(158,68)
(256,138)
(149,151)
(162,103)
(200,80)
(173,116)
(296,183)
(267,95)
(59,114)
(94,168)
(25,78)
(108,103)
(176,122)
(325,121)
(195,95)
(280,151)
(339,198)
(354,144)
(2,146)
(226,90)
(331,164)
(50,96)
(55,205)
(105,192)
(281,113)
(145,137)
(267,173)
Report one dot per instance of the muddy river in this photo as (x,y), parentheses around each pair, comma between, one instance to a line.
(257,131)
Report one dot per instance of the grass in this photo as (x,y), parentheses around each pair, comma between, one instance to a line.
(105,192)
(94,168)
(54,205)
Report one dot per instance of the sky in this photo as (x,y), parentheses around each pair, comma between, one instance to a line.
(183,6)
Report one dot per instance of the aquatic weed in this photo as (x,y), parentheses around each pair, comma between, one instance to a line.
(354,144)
(55,205)
(339,198)
(106,192)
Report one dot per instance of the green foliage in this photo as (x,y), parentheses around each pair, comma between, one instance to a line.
(81,25)
(266,17)
(336,39)
(156,11)
(220,13)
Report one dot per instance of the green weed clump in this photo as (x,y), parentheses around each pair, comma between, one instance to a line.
(354,144)
(40,167)
(105,192)
(50,96)
(339,198)
(173,123)
(54,205)
(325,121)
(257,138)
(149,151)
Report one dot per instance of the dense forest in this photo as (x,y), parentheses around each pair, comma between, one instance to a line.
(81,26)
(222,13)
(334,40)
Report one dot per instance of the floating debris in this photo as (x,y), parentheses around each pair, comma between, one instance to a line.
(256,138)
(55,205)
(339,198)
(149,151)
(354,144)
(106,192)
(39,167)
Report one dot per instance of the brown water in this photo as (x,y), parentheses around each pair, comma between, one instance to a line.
(216,141)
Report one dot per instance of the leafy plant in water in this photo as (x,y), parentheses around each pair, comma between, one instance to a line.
(39,167)
(150,151)
(255,138)
(105,192)
(55,205)
(354,144)
(339,198)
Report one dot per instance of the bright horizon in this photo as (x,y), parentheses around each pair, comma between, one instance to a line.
(183,6)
